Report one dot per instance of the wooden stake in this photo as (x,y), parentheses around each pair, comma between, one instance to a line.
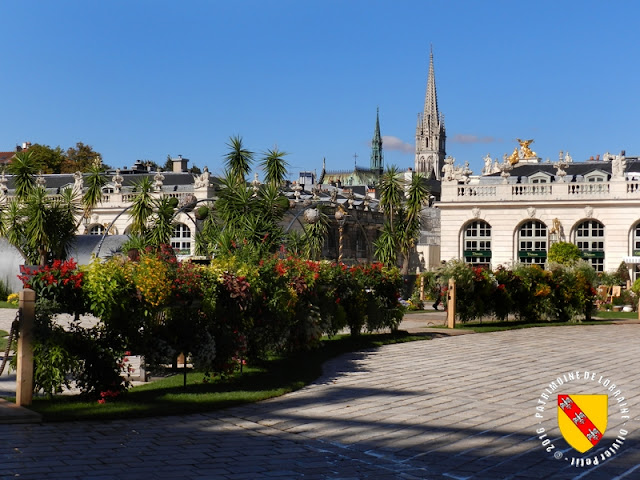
(24,375)
(451,304)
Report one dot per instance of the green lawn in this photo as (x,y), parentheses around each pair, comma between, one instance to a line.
(617,315)
(258,382)
(3,340)
(493,326)
(4,304)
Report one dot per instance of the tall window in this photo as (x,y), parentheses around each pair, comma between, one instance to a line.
(181,239)
(532,242)
(477,243)
(97,229)
(635,242)
(590,240)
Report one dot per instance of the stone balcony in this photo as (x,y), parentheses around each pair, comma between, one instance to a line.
(539,192)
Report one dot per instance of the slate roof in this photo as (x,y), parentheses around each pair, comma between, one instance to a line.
(574,169)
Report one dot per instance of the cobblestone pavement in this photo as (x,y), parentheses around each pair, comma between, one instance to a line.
(460,407)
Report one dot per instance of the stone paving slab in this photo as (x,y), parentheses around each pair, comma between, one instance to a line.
(459,407)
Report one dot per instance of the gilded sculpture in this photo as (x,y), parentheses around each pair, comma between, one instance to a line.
(524,152)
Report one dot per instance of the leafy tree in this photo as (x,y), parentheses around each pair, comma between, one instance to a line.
(564,253)
(168,165)
(81,158)
(51,159)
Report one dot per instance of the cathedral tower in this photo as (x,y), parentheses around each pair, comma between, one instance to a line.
(430,132)
(377,164)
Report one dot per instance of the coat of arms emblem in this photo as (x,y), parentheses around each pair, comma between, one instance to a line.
(582,419)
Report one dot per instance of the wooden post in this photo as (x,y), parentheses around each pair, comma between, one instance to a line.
(421,288)
(24,374)
(451,304)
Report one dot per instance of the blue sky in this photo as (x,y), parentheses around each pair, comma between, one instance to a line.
(145,79)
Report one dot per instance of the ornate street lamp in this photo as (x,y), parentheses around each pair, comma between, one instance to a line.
(340,219)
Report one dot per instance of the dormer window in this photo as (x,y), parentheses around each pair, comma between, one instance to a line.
(540,177)
(596,176)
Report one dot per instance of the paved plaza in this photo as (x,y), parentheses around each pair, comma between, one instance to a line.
(455,407)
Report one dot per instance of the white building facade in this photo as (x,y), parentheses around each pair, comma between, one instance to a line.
(514,212)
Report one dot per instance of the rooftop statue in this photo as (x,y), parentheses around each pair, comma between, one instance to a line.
(525,150)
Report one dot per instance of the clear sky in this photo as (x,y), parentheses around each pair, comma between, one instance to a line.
(143,79)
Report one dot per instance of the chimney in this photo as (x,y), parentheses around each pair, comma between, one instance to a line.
(180,164)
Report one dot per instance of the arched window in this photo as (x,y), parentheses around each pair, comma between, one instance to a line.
(589,238)
(181,239)
(97,229)
(477,243)
(532,242)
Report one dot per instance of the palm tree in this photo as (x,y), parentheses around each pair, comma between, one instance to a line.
(275,166)
(390,193)
(93,195)
(39,226)
(142,206)
(238,159)
(24,167)
(402,226)
(315,234)
(162,222)
(49,227)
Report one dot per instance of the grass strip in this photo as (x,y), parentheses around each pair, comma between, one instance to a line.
(494,326)
(167,396)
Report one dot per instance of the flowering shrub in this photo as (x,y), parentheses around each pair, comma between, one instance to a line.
(60,282)
(527,292)
(237,309)
(13,299)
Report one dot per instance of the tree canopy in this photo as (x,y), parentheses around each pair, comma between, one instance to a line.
(56,160)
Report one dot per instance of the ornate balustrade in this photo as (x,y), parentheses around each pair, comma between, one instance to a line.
(501,192)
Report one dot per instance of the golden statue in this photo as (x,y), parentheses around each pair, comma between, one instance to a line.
(514,157)
(524,148)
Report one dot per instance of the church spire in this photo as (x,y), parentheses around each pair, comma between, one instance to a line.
(430,131)
(431,98)
(376,146)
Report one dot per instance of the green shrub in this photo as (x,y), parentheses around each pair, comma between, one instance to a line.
(564,253)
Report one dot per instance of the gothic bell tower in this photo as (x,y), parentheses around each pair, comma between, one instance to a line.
(430,132)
